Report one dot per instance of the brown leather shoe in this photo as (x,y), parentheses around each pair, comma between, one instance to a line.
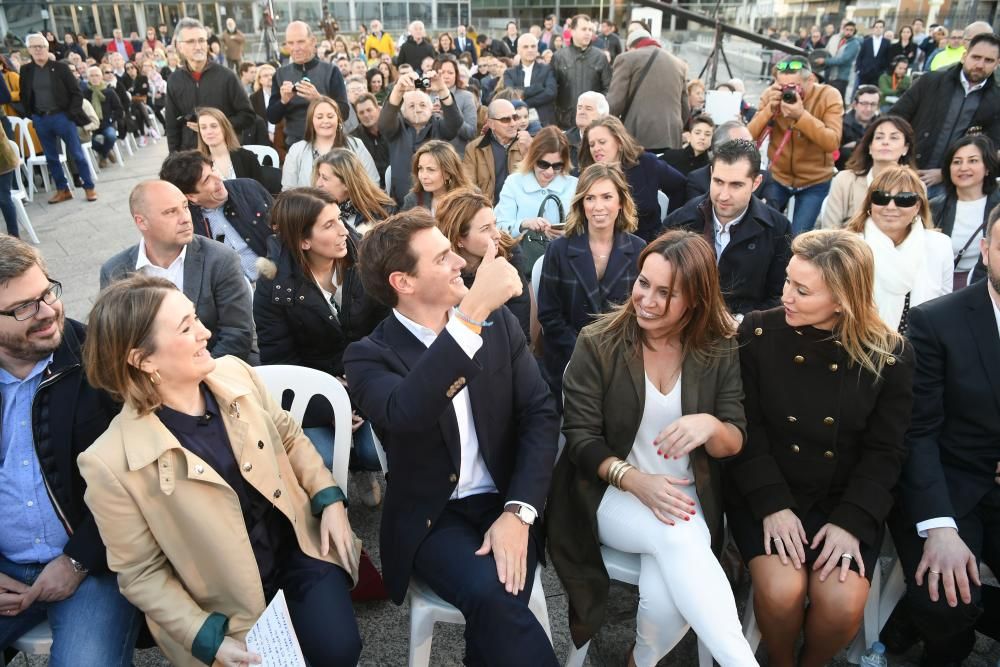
(91,194)
(61,196)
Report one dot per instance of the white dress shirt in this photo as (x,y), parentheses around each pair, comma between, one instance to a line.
(174,273)
(876,44)
(473,477)
(947,521)
(724,231)
(970,87)
(527,74)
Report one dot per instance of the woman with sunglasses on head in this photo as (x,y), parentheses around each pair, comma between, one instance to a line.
(828,390)
(542,179)
(970,193)
(887,142)
(913,261)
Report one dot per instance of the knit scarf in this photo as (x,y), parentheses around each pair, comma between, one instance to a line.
(896,267)
(645,41)
(97,99)
(347,212)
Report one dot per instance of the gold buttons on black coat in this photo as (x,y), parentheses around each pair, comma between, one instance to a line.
(796,449)
(828,421)
(247,467)
(758,332)
(828,454)
(791,419)
(455,387)
(891,361)
(799,359)
(833,368)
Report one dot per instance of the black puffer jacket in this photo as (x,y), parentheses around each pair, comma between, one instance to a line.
(217,87)
(67,415)
(295,324)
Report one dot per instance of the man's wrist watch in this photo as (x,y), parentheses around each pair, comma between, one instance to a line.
(525,514)
(78,567)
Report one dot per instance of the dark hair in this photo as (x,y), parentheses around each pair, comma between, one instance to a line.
(372,73)
(339,137)
(702,118)
(899,59)
(365,97)
(481,39)
(987,37)
(992,221)
(244,66)
(549,139)
(386,250)
(183,169)
(866,89)
(449,59)
(735,150)
(293,217)
(989,154)
(861,160)
(877,21)
(852,24)
(576,20)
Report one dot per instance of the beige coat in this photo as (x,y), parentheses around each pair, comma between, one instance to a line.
(847,194)
(478,164)
(654,112)
(173,527)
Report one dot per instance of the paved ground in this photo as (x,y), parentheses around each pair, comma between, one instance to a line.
(77,236)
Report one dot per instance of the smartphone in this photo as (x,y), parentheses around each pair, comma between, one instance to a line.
(560,226)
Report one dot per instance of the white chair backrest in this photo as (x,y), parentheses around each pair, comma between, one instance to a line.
(22,128)
(388,178)
(664,202)
(263,153)
(536,275)
(304,384)
(18,188)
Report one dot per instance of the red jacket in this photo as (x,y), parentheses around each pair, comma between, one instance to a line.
(129,51)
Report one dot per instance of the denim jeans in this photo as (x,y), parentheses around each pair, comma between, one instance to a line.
(50,130)
(103,141)
(95,625)
(808,202)
(364,446)
(6,201)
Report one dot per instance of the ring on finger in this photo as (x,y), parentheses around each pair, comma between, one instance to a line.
(935,572)
(846,556)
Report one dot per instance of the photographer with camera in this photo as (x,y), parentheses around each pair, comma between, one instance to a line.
(407,121)
(803,119)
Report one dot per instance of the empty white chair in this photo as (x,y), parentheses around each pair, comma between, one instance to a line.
(264,153)
(31,157)
(305,383)
(19,194)
(36,641)
(624,567)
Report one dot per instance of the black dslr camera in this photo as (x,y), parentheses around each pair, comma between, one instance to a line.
(422,83)
(790,93)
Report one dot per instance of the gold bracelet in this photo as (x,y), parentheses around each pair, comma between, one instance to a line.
(616,472)
(621,476)
(612,469)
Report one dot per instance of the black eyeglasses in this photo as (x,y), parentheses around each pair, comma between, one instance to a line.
(544,165)
(902,199)
(791,66)
(28,310)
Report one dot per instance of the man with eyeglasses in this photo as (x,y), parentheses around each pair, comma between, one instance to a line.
(804,121)
(53,564)
(201,82)
(51,95)
(490,158)
(857,120)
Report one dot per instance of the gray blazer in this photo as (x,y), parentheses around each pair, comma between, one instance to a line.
(213,280)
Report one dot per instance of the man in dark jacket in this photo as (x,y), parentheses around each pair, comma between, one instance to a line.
(535,78)
(609,40)
(199,82)
(50,93)
(873,58)
(367,110)
(857,120)
(413,51)
(949,103)
(579,68)
(301,81)
(406,122)
(53,564)
(235,212)
(752,241)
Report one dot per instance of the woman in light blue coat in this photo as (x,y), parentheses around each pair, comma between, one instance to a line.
(543,178)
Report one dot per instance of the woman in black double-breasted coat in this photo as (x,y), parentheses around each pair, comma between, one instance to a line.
(828,393)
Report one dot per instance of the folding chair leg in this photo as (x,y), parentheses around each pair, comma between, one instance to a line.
(22,217)
(421,633)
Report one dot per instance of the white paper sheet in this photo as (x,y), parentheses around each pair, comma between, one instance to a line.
(273,637)
(722,105)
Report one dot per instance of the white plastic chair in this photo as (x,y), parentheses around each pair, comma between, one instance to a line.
(264,153)
(664,202)
(88,153)
(19,194)
(388,178)
(31,157)
(304,384)
(624,567)
(536,275)
(131,145)
(36,641)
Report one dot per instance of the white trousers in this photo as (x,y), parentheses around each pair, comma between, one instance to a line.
(681,583)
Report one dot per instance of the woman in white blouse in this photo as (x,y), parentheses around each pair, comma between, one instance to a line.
(888,142)
(913,261)
(324,132)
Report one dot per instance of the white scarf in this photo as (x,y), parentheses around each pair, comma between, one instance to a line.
(896,268)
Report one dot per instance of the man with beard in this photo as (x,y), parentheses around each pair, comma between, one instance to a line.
(945,105)
(53,564)
(950,482)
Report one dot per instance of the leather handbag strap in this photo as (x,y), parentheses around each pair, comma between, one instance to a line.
(640,78)
(559,207)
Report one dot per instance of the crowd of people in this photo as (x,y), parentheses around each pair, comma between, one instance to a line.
(489,243)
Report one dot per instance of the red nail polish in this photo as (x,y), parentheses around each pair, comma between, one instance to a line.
(687,518)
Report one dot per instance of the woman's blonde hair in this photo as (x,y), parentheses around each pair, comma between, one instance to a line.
(454,213)
(370,201)
(630,148)
(628,218)
(228,133)
(262,69)
(549,140)
(120,334)
(903,178)
(848,268)
(704,325)
(449,163)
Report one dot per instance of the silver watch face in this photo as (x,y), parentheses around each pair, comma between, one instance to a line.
(526,515)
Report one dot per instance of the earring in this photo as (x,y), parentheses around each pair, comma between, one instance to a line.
(460,245)
(155,378)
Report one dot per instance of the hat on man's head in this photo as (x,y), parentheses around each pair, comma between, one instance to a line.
(636,35)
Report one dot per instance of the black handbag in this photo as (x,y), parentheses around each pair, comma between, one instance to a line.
(533,244)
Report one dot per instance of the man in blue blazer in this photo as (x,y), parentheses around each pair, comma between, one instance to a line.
(540,91)
(463,43)
(470,430)
(873,58)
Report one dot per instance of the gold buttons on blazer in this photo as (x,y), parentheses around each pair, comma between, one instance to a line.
(455,387)
(247,467)
(799,359)
(891,361)
(758,332)
(828,421)
(452,478)
(791,419)
(828,454)
(833,368)
(796,449)
(199,469)
(277,493)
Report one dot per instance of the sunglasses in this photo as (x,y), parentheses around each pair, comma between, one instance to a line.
(506,120)
(791,66)
(545,166)
(902,199)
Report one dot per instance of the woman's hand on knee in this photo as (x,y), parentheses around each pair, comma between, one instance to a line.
(660,494)
(784,529)
(234,653)
(838,544)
